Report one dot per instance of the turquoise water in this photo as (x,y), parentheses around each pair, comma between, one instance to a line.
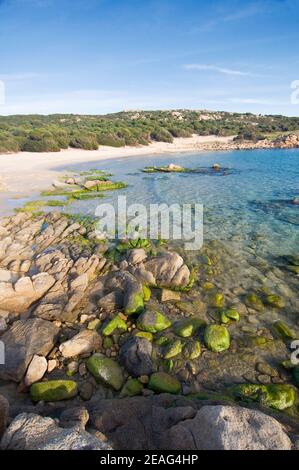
(248,205)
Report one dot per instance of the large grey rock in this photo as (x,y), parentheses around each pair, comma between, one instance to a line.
(135,356)
(22,341)
(18,296)
(4,412)
(168,422)
(229,428)
(84,342)
(168,270)
(33,432)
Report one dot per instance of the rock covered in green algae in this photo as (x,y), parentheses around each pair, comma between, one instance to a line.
(229,314)
(274,301)
(188,327)
(146,293)
(131,388)
(217,338)
(274,396)
(218,300)
(161,382)
(53,390)
(192,350)
(283,330)
(174,348)
(145,334)
(115,325)
(153,321)
(254,302)
(106,370)
(134,302)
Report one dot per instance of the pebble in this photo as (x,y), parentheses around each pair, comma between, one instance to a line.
(52,364)
(264,379)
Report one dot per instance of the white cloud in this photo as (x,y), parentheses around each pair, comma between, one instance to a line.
(215,68)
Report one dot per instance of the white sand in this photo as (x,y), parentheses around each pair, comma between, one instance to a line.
(25,173)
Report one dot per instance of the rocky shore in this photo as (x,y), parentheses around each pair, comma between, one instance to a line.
(137,345)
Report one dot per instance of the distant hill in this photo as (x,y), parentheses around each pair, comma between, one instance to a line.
(39,133)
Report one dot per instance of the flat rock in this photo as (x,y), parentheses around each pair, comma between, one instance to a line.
(36,370)
(230,428)
(33,432)
(18,296)
(22,341)
(84,342)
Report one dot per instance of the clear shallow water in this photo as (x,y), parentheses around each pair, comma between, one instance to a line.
(249,205)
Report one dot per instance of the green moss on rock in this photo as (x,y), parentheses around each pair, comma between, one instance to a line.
(274,396)
(218,300)
(146,293)
(53,390)
(254,302)
(161,382)
(217,338)
(106,370)
(131,388)
(145,334)
(134,303)
(192,349)
(174,348)
(153,321)
(114,326)
(283,330)
(229,314)
(274,301)
(188,327)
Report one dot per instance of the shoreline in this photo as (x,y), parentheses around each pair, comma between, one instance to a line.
(26,173)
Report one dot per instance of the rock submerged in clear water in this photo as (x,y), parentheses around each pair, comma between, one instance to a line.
(161,382)
(217,338)
(275,396)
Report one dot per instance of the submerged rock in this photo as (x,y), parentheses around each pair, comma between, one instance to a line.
(53,390)
(106,370)
(192,349)
(254,302)
(173,349)
(153,321)
(131,388)
(275,396)
(217,338)
(33,432)
(164,383)
(188,327)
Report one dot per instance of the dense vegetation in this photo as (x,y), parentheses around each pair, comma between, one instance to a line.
(36,133)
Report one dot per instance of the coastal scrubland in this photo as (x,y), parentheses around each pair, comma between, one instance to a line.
(51,133)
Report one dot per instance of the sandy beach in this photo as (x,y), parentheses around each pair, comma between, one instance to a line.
(25,173)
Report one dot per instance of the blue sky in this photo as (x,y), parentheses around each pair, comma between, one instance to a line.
(99,56)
